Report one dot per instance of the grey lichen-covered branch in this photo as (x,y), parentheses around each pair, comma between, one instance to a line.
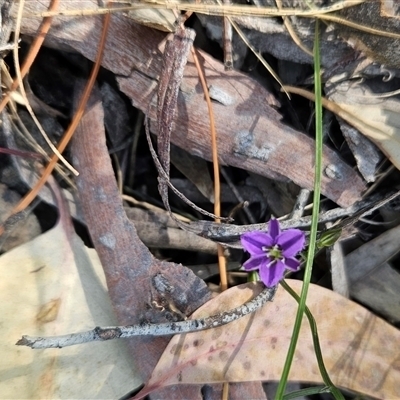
(120,332)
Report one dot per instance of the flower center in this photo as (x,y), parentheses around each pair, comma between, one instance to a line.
(274,253)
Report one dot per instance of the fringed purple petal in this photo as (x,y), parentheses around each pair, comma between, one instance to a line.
(253,242)
(271,275)
(291,242)
(255,262)
(273,229)
(292,264)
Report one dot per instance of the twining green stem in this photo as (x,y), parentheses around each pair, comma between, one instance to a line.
(314,222)
(330,387)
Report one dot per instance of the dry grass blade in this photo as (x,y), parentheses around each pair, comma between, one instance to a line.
(292,32)
(257,54)
(208,9)
(71,129)
(23,92)
(217,186)
(33,51)
(21,72)
(358,26)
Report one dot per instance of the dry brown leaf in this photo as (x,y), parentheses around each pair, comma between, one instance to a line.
(163,20)
(376,118)
(380,123)
(356,345)
(50,286)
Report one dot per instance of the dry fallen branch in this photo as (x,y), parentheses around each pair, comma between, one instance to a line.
(172,328)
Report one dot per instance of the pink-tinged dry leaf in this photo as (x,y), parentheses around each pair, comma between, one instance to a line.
(50,286)
(357,346)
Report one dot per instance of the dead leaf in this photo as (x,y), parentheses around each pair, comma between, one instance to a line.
(357,346)
(375,117)
(50,286)
(365,152)
(163,20)
(379,122)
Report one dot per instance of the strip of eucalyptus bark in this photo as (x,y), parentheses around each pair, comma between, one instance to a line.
(174,61)
(171,328)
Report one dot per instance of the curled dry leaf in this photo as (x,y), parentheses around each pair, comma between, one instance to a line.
(163,20)
(357,346)
(378,123)
(50,286)
(376,118)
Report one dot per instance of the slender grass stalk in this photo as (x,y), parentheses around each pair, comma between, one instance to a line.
(314,223)
(330,387)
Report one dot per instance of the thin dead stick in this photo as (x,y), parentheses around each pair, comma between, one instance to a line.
(243,203)
(299,206)
(229,234)
(28,198)
(21,153)
(173,328)
(217,185)
(228,52)
(356,25)
(165,176)
(257,53)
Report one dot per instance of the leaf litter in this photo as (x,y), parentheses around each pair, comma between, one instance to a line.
(50,285)
(357,346)
(245,124)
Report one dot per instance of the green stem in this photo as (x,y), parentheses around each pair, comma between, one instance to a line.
(314,223)
(330,387)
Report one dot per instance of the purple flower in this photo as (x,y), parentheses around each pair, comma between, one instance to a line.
(271,253)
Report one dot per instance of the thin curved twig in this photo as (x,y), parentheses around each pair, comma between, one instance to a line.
(170,328)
